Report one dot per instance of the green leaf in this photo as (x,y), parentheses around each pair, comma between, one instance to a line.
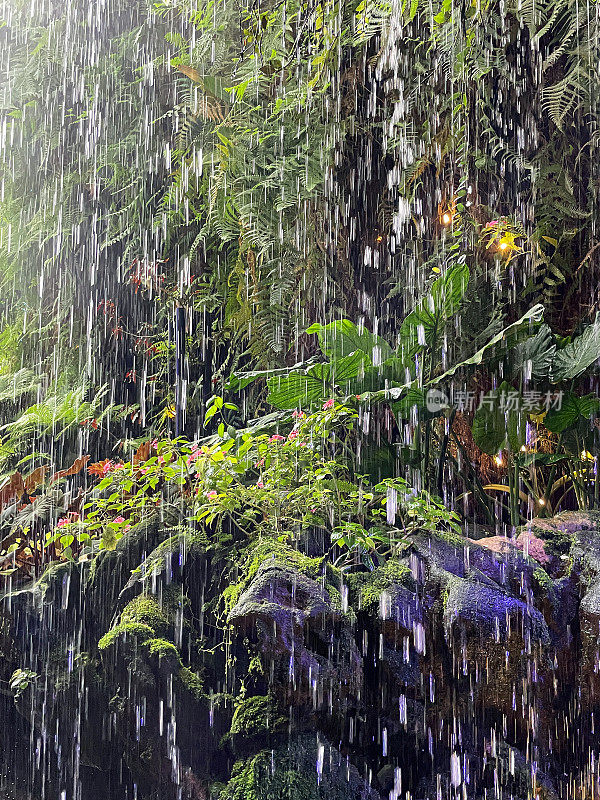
(315,384)
(293,390)
(239,380)
(572,410)
(425,324)
(500,422)
(579,354)
(342,337)
(396,393)
(534,356)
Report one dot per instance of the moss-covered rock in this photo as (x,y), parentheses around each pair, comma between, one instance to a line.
(146,609)
(255,716)
(367,587)
(307,768)
(137,631)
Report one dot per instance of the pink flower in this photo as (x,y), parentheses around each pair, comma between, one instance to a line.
(298,414)
(260,463)
(118,520)
(276,438)
(212,495)
(108,466)
(328,404)
(292,435)
(260,484)
(118,466)
(491,224)
(63,521)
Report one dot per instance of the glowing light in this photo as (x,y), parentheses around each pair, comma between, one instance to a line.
(523,448)
(379,239)
(498,460)
(541,501)
(446,218)
(503,245)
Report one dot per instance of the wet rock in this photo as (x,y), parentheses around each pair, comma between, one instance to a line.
(298,627)
(308,767)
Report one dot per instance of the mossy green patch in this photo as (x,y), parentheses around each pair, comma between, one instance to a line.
(162,648)
(282,553)
(369,586)
(255,715)
(146,609)
(135,630)
(543,580)
(262,552)
(255,779)
(192,682)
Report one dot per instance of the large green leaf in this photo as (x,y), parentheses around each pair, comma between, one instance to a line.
(294,389)
(239,380)
(397,392)
(579,354)
(425,324)
(317,383)
(500,421)
(572,409)
(533,358)
(342,337)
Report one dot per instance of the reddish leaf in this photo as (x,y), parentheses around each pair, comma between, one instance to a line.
(75,467)
(101,468)
(35,478)
(12,489)
(142,453)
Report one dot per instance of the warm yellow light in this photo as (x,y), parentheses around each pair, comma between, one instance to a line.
(541,501)
(446,219)
(498,460)
(503,245)
(379,239)
(523,448)
(586,455)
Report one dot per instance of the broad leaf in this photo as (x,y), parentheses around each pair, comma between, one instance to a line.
(396,393)
(342,337)
(425,324)
(500,422)
(293,390)
(534,356)
(239,380)
(579,354)
(572,410)
(315,384)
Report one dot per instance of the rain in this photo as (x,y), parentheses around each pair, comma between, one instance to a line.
(299,409)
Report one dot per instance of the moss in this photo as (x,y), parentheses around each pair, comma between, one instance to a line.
(543,580)
(283,554)
(254,779)
(128,629)
(183,541)
(253,716)
(146,610)
(162,648)
(231,595)
(369,586)
(557,542)
(279,553)
(192,682)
